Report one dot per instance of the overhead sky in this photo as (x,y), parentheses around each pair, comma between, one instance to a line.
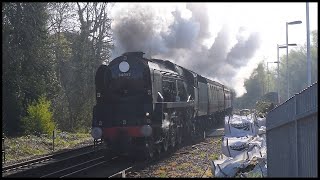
(222,41)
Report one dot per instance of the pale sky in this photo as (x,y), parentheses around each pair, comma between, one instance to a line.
(268,19)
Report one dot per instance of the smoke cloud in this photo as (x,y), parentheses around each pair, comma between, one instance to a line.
(180,40)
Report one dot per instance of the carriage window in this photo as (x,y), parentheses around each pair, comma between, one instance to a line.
(169,91)
(182,91)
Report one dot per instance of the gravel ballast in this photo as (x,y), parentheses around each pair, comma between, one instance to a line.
(189,161)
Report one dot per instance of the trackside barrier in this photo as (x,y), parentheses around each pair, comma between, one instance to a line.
(3,150)
(122,173)
(292,136)
(96,142)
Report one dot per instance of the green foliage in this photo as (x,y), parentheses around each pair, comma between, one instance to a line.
(39,118)
(214,157)
(314,35)
(263,107)
(43,53)
(255,87)
(28,64)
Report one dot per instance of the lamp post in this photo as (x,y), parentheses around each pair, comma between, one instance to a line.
(308,46)
(278,61)
(289,23)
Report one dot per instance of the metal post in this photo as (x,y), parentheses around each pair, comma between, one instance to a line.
(53,134)
(278,74)
(268,77)
(308,46)
(289,23)
(296,135)
(3,150)
(95,142)
(287,59)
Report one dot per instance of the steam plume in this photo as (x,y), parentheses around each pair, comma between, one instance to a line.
(139,28)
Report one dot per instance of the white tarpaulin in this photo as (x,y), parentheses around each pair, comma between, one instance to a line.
(242,147)
(232,146)
(238,126)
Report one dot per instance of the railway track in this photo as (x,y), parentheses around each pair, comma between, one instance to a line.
(118,166)
(124,172)
(85,162)
(89,161)
(39,166)
(138,165)
(78,168)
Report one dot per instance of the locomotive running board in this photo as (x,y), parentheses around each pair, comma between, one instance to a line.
(177,104)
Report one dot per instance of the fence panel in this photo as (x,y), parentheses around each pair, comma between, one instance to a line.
(292,136)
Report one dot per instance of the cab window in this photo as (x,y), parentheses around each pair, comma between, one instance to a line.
(169,90)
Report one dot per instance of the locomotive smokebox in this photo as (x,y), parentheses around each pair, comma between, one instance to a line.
(137,54)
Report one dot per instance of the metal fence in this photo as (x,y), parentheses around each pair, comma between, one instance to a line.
(292,136)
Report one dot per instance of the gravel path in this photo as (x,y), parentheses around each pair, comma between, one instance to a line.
(188,161)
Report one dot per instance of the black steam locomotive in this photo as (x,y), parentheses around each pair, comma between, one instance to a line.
(146,106)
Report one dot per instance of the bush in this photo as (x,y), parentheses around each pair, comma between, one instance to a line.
(264,107)
(39,118)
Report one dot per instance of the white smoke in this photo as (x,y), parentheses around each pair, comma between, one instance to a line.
(170,35)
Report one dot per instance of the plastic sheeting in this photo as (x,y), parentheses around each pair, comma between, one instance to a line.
(243,148)
(238,126)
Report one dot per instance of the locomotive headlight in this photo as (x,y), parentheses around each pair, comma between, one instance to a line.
(96,133)
(147,114)
(124,66)
(146,130)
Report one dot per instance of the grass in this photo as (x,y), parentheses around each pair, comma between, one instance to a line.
(219,141)
(214,157)
(208,173)
(183,166)
(198,170)
(173,164)
(161,173)
(26,147)
(202,155)
(191,174)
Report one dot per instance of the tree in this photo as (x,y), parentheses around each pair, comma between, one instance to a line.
(78,55)
(92,47)
(39,118)
(27,62)
(298,68)
(297,76)
(61,21)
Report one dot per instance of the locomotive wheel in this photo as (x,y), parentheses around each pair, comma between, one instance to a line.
(165,143)
(179,136)
(193,131)
(149,150)
(158,149)
(212,121)
(173,139)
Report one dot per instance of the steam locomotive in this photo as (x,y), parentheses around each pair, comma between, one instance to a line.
(148,106)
